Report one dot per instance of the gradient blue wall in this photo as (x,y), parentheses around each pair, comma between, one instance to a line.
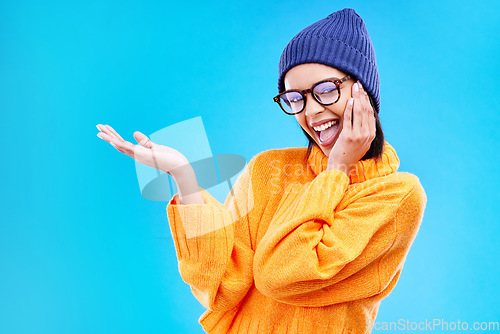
(82,252)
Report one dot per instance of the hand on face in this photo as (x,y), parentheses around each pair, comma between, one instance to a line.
(358,132)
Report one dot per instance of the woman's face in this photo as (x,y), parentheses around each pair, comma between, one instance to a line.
(303,77)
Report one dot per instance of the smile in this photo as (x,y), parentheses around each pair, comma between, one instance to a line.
(325,126)
(327,133)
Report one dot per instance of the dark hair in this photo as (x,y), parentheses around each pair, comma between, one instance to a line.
(376,147)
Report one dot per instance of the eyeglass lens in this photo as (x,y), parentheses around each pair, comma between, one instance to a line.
(325,93)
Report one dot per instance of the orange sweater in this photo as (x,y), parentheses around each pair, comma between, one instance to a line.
(296,248)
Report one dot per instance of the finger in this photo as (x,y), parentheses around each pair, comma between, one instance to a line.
(347,123)
(365,126)
(137,152)
(143,140)
(357,111)
(122,146)
(373,125)
(369,121)
(365,98)
(107,131)
(364,109)
(106,137)
(354,90)
(114,132)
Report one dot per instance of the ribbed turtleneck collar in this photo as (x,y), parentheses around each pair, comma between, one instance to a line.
(365,169)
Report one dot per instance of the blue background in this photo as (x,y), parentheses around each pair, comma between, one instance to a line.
(82,252)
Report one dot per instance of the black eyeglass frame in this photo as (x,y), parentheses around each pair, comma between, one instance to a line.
(304,93)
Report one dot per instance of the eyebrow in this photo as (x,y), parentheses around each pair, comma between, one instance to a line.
(329,78)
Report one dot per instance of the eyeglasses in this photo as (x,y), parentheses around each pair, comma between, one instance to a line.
(325,92)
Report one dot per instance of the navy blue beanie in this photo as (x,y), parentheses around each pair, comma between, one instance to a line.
(341,41)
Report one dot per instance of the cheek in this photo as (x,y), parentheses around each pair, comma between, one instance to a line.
(338,108)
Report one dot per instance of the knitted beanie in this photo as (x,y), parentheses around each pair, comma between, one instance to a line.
(341,41)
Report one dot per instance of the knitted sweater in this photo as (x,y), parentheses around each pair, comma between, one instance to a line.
(297,248)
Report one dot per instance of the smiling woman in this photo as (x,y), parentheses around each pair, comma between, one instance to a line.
(331,95)
(307,241)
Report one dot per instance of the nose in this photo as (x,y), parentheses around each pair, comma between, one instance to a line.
(312,106)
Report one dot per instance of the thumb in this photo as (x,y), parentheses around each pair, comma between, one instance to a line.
(143,140)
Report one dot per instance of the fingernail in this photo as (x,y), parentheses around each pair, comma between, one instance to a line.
(350,101)
(360,85)
(98,128)
(356,88)
(99,135)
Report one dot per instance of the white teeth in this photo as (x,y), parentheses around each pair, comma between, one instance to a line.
(325,126)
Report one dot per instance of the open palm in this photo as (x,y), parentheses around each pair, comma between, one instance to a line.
(148,153)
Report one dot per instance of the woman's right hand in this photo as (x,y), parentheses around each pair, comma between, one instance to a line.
(161,157)
(148,153)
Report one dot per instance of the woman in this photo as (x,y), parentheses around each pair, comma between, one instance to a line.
(309,240)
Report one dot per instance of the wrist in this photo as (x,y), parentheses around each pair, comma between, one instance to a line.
(194,198)
(187,185)
(185,179)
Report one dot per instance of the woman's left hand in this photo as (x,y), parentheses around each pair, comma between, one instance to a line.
(358,132)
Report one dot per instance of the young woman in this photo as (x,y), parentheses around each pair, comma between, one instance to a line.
(308,240)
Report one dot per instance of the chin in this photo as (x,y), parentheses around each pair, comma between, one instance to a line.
(326,151)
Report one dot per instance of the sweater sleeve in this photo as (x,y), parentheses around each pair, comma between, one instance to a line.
(213,244)
(327,246)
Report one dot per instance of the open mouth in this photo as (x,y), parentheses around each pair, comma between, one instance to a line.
(327,132)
